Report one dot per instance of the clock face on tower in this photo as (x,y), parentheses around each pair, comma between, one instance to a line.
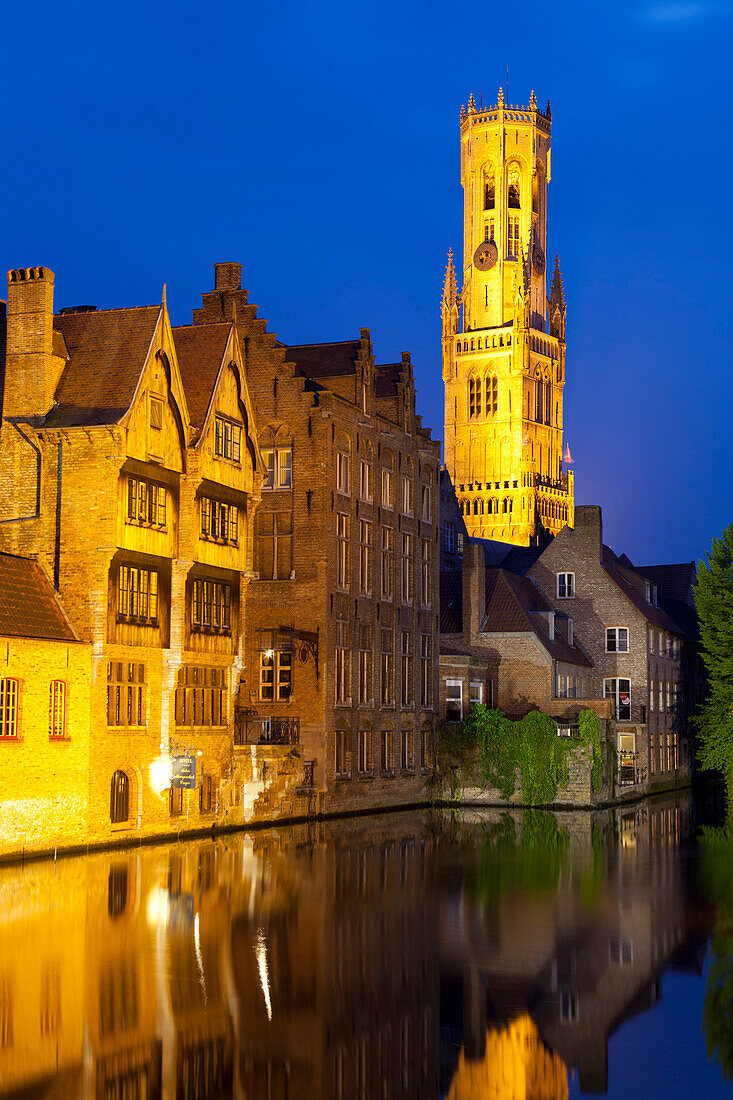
(485,256)
(538,259)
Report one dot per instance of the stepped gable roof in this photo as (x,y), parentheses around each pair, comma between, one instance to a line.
(512,603)
(451,601)
(107,349)
(29,607)
(324,360)
(388,375)
(626,578)
(200,350)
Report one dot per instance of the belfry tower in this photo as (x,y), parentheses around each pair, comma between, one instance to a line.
(503,363)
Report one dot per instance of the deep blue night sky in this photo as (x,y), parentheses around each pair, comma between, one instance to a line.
(318,145)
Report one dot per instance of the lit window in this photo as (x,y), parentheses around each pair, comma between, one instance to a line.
(276,667)
(219,521)
(620,692)
(617,639)
(342,677)
(364,750)
(57,710)
(566,586)
(407,502)
(365,480)
(9,690)
(342,551)
(387,489)
(211,606)
(146,502)
(279,463)
(200,698)
(137,594)
(126,704)
(227,439)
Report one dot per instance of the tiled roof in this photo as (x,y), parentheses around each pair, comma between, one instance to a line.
(451,601)
(387,377)
(200,350)
(28,604)
(324,360)
(107,350)
(626,578)
(520,559)
(674,581)
(512,603)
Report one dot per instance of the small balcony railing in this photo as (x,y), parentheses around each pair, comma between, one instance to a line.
(259,729)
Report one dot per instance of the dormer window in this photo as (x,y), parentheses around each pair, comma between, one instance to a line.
(227,439)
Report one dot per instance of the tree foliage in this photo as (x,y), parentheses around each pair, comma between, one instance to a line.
(714,600)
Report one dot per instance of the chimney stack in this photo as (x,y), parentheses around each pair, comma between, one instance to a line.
(31,370)
(228,276)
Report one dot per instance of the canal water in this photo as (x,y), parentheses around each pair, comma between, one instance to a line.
(473,954)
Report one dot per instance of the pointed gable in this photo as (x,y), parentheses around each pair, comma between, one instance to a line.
(107,350)
(29,607)
(200,351)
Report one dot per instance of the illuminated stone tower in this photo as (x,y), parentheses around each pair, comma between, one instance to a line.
(503,364)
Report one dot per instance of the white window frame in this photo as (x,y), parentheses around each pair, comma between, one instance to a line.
(408,503)
(342,473)
(279,463)
(450,683)
(564,583)
(426,504)
(365,481)
(342,551)
(388,488)
(473,696)
(617,630)
(616,681)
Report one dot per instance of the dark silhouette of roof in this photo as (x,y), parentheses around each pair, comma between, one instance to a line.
(200,350)
(674,581)
(29,607)
(627,577)
(107,350)
(324,360)
(388,375)
(451,601)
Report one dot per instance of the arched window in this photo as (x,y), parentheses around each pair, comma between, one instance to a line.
(472,347)
(540,400)
(489,192)
(548,401)
(475,507)
(458,346)
(492,395)
(119,802)
(474,398)
(514,188)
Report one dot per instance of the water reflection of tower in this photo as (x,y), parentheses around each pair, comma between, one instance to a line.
(578,958)
(339,992)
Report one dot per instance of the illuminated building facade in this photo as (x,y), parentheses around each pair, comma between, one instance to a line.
(503,337)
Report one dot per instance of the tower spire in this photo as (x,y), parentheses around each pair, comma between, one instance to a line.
(557,293)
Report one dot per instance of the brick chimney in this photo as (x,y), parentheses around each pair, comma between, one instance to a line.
(31,369)
(228,276)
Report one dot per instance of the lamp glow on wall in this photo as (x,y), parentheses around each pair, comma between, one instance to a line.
(161,773)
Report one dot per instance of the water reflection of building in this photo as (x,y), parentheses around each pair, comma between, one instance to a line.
(581,957)
(288,964)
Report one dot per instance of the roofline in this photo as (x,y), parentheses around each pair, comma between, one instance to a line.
(147,357)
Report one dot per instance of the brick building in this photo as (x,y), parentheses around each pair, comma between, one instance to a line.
(340,641)
(130,470)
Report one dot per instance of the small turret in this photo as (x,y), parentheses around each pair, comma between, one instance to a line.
(449,301)
(533,100)
(556,303)
(471,105)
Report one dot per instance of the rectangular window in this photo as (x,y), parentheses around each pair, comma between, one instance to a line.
(156,412)
(206,801)
(406,759)
(211,606)
(9,692)
(279,465)
(276,667)
(475,693)
(426,507)
(343,694)
(425,573)
(364,751)
(219,521)
(342,473)
(200,698)
(617,639)
(405,571)
(365,666)
(386,669)
(137,594)
(620,692)
(342,551)
(342,753)
(565,586)
(57,710)
(365,557)
(126,700)
(651,695)
(387,758)
(426,748)
(146,503)
(387,550)
(406,669)
(449,537)
(227,439)
(365,480)
(407,502)
(454,700)
(387,489)
(426,668)
(273,549)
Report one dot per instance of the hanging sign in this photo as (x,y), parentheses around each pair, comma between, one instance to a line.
(184,772)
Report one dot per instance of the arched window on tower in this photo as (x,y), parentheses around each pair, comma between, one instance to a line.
(489,192)
(548,402)
(513,190)
(539,400)
(474,398)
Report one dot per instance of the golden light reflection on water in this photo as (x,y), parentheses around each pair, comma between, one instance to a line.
(398,956)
